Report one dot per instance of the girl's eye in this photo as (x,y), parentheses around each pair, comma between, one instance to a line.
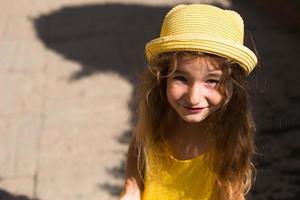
(180,78)
(212,81)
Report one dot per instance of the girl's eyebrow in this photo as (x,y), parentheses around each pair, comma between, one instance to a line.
(215,73)
(180,71)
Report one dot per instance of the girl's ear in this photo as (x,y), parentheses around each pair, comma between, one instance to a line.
(229,70)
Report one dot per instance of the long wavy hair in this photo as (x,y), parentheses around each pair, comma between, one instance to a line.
(230,124)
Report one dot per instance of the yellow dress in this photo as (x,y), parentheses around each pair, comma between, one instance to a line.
(182,180)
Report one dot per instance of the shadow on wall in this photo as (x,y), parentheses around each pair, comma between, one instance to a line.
(4,195)
(103,38)
(111,38)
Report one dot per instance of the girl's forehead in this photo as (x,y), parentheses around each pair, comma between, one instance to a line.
(196,62)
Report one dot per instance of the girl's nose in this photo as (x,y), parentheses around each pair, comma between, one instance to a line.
(195,95)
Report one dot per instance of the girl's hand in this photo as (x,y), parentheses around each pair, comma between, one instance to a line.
(132,191)
(131,196)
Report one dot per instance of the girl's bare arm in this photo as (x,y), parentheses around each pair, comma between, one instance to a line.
(133,182)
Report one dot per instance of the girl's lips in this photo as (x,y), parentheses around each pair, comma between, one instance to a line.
(193,110)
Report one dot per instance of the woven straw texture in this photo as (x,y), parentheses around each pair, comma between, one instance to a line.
(204,28)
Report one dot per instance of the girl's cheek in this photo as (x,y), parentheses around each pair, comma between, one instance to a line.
(215,97)
(175,91)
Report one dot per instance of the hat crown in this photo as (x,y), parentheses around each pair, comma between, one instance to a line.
(204,19)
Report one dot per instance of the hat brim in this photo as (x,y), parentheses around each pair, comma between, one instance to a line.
(204,43)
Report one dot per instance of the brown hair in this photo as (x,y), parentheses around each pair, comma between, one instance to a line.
(234,133)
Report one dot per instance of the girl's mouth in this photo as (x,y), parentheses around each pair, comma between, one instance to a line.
(193,109)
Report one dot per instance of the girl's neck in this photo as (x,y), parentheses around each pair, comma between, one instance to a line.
(188,140)
(187,129)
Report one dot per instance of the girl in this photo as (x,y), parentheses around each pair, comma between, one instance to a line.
(194,135)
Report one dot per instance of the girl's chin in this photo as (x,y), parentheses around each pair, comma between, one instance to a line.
(193,119)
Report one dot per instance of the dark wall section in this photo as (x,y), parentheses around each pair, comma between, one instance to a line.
(5,195)
(287,12)
(275,95)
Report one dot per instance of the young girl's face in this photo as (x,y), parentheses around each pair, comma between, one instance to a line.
(192,90)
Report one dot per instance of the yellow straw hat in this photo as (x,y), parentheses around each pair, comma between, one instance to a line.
(204,28)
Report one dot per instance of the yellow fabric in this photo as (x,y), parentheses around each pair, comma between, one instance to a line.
(181,180)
